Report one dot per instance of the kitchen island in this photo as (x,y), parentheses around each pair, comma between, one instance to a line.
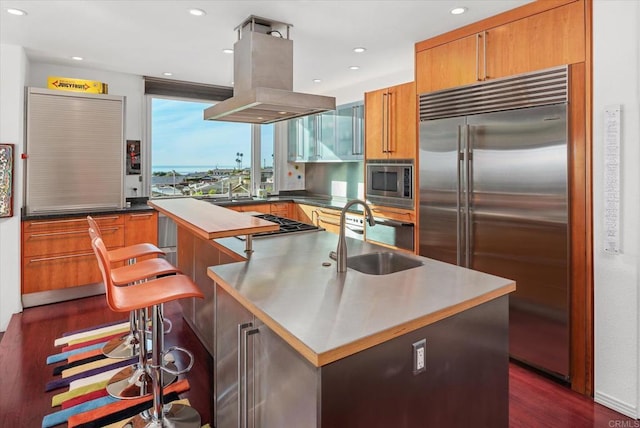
(297,344)
(315,348)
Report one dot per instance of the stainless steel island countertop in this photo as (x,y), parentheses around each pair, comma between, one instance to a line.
(326,315)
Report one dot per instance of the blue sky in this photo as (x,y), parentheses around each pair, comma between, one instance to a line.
(180,137)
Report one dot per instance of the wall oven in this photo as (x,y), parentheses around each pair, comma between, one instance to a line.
(390,183)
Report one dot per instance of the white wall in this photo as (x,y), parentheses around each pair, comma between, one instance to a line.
(13,69)
(616,71)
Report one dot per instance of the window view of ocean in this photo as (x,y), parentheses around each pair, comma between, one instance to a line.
(187,169)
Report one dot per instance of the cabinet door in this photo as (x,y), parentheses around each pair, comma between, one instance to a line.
(229,316)
(449,65)
(141,228)
(402,121)
(285,385)
(350,131)
(48,273)
(375,124)
(306,214)
(282,209)
(544,40)
(325,138)
(329,219)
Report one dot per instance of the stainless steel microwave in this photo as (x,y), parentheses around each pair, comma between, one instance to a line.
(390,183)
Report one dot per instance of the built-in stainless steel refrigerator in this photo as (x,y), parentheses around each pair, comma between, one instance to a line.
(493,198)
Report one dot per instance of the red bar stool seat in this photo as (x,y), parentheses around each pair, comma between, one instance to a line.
(152,293)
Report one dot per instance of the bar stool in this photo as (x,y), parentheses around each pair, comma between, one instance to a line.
(153,293)
(134,381)
(125,346)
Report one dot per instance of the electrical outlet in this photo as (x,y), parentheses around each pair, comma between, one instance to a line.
(419,356)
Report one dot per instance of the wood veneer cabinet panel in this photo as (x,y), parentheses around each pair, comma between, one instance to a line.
(445,66)
(390,122)
(141,228)
(306,214)
(544,40)
(57,254)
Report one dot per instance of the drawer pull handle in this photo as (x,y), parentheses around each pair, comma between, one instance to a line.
(141,215)
(44,259)
(73,232)
(36,223)
(327,221)
(329,212)
(382,210)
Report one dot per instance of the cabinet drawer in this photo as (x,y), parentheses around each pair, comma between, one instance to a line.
(59,272)
(281,209)
(141,228)
(69,241)
(394,213)
(70,223)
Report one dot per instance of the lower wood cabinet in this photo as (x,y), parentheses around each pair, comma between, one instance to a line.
(57,254)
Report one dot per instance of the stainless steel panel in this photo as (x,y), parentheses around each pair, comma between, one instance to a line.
(391,232)
(285,385)
(545,87)
(229,314)
(439,201)
(466,382)
(493,197)
(519,224)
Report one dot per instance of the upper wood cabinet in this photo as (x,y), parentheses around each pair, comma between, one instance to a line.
(545,39)
(390,122)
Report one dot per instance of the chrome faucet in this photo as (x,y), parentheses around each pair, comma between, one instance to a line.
(341,251)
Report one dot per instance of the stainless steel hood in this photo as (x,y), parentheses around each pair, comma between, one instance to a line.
(263,78)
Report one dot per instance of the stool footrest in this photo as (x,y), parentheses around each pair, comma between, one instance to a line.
(178,372)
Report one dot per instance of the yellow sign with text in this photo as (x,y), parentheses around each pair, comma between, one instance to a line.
(77,85)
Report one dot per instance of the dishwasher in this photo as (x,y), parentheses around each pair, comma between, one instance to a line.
(390,232)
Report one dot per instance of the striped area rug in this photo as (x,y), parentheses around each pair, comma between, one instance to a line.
(81,373)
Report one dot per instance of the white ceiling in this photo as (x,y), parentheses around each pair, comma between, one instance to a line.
(145,37)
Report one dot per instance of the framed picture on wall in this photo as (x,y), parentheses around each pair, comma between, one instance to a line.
(6,180)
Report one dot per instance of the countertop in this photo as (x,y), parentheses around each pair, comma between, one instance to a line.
(135,207)
(209,220)
(326,315)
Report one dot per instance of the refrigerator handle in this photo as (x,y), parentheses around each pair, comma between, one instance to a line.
(468,200)
(458,196)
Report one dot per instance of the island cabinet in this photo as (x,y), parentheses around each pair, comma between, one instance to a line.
(390,123)
(281,209)
(57,258)
(262,381)
(494,49)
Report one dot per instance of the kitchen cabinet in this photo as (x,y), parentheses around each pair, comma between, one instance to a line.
(282,209)
(57,254)
(262,208)
(333,136)
(260,380)
(327,218)
(542,40)
(391,123)
(140,228)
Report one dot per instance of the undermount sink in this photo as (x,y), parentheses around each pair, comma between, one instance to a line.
(382,263)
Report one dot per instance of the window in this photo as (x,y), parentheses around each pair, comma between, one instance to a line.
(195,157)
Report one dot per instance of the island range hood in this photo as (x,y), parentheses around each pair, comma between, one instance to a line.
(263,78)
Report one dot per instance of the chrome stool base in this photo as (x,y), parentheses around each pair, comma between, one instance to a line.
(134,382)
(174,416)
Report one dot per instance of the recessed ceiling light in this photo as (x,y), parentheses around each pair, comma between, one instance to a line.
(167,73)
(16,12)
(197,12)
(359,50)
(317,80)
(354,67)
(458,10)
(282,112)
(227,51)
(77,58)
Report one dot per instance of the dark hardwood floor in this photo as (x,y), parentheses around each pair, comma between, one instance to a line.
(535,401)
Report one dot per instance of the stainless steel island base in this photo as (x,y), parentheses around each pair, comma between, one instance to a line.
(263,382)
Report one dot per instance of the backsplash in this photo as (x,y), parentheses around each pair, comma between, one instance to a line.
(344,179)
